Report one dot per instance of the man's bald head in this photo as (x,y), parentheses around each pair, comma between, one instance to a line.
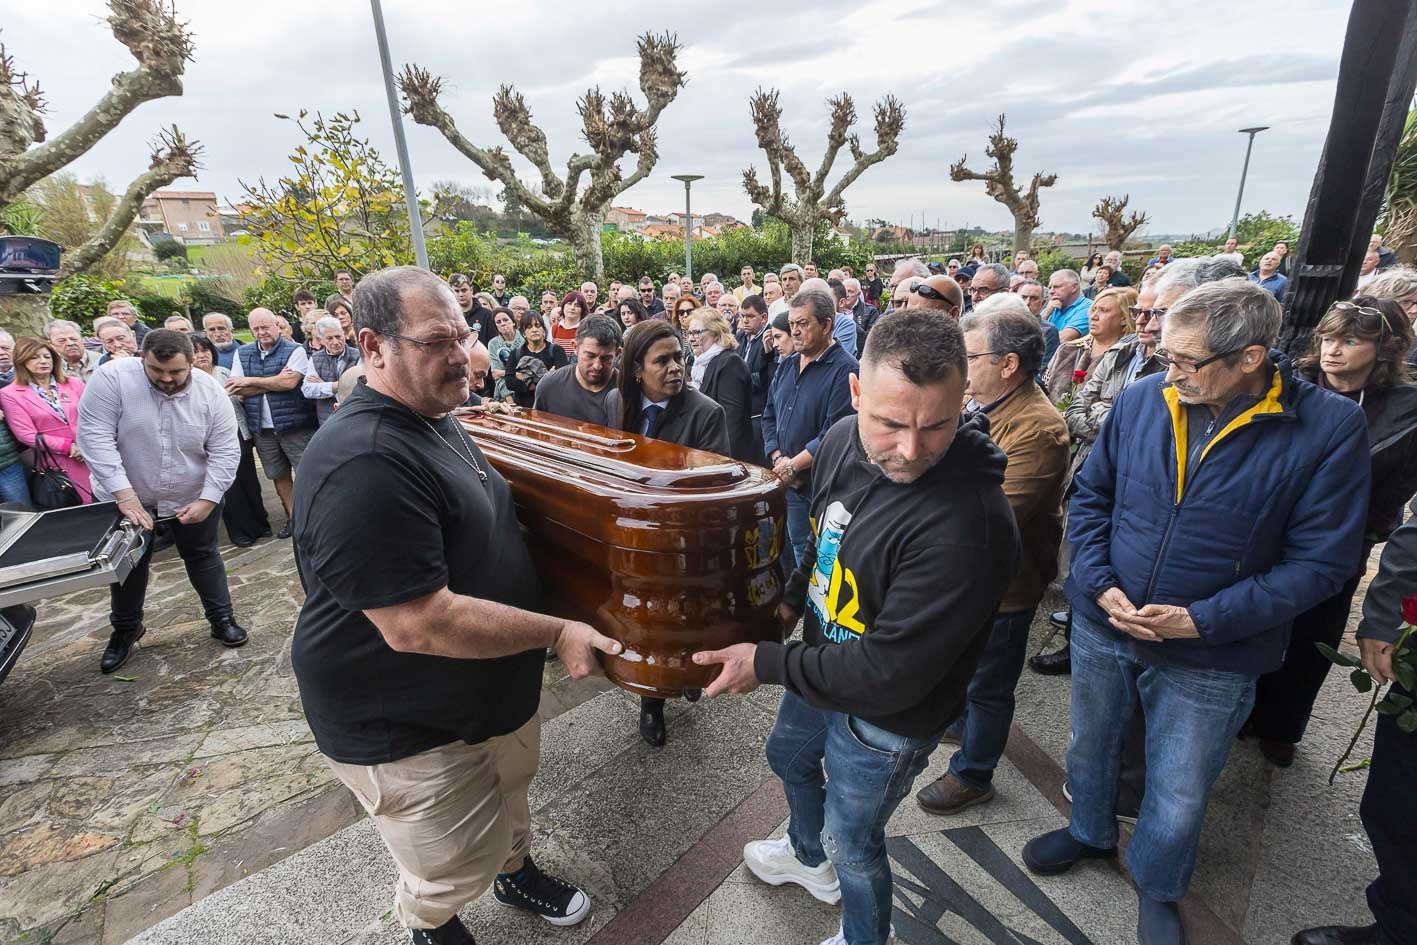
(479,361)
(953,299)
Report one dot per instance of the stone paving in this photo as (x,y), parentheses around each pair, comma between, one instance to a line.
(183,796)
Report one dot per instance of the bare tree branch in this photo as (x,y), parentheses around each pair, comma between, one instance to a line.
(161,44)
(808,206)
(1116,227)
(999,184)
(173,157)
(613,127)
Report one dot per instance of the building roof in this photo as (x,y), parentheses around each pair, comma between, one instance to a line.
(183,195)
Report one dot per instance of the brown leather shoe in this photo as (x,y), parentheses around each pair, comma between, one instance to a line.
(948,795)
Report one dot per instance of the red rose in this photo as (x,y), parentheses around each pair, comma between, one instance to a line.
(1409,609)
(1079,376)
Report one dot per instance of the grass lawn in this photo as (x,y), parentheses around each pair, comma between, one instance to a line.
(168,286)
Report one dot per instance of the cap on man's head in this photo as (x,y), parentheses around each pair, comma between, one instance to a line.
(966,272)
(935,266)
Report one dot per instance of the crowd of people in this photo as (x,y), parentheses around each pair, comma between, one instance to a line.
(1219,500)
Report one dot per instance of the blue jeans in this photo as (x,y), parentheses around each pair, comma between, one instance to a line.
(984,728)
(14,487)
(844,778)
(1192,717)
(799,524)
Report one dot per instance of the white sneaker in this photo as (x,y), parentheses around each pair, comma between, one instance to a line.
(774,863)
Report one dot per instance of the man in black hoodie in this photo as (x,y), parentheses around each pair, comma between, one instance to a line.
(906,498)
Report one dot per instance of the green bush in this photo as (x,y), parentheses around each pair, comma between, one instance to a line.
(83,298)
(1051,260)
(166,247)
(209,295)
(278,294)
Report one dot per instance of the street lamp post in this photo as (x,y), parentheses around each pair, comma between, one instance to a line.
(688,223)
(410,196)
(1235,217)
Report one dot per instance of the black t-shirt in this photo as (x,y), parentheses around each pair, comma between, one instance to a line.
(386,513)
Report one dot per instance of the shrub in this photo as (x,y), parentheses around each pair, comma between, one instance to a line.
(166,247)
(83,298)
(212,295)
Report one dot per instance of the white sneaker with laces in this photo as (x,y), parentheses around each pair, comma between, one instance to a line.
(774,863)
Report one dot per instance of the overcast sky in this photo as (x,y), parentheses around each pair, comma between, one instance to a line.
(1115,97)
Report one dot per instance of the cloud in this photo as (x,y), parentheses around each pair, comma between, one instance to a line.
(1114,98)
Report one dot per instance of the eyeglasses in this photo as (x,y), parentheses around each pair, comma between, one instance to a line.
(1192,367)
(971,357)
(696,332)
(1368,312)
(1143,315)
(438,346)
(982,291)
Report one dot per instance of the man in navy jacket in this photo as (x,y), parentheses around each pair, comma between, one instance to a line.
(1221,500)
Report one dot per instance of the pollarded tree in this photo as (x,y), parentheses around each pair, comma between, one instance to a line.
(1117,227)
(161,44)
(612,127)
(999,184)
(811,202)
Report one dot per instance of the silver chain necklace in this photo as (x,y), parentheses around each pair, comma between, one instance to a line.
(471,463)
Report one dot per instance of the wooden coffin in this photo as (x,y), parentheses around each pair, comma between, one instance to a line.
(667,549)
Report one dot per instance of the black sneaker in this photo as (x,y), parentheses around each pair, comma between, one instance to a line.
(451,932)
(555,900)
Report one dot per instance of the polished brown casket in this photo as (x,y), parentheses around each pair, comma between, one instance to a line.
(667,549)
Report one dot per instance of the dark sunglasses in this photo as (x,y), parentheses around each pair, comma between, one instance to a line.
(930,292)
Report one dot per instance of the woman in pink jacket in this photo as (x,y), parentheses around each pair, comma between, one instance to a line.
(42,401)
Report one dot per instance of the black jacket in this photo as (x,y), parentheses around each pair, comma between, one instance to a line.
(691,420)
(762,364)
(899,594)
(525,395)
(728,384)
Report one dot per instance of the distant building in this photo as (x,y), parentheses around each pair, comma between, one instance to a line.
(190,216)
(625,219)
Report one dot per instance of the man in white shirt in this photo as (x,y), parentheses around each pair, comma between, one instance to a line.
(160,440)
(267,374)
(1232,252)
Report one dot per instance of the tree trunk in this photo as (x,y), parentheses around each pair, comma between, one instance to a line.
(585,245)
(802,235)
(1022,237)
(23,315)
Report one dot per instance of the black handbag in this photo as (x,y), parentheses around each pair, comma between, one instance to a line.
(50,486)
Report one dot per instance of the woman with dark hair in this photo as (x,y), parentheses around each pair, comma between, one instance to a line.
(684,306)
(574,307)
(243,508)
(508,339)
(631,312)
(654,400)
(1088,272)
(1357,351)
(522,374)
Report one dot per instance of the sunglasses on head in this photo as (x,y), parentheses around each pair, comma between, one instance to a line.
(930,292)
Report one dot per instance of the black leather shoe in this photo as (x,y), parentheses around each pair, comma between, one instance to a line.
(1337,935)
(120,646)
(1060,618)
(693,695)
(451,932)
(652,721)
(1052,664)
(229,632)
(1057,852)
(284,531)
(1279,752)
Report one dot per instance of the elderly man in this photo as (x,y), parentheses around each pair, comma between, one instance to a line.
(772,295)
(420,668)
(989,279)
(578,391)
(1067,307)
(791,276)
(218,328)
(937,294)
(116,337)
(1032,294)
(1243,508)
(7,363)
(864,313)
(1004,346)
(810,392)
(653,304)
(178,323)
(266,374)
(1114,261)
(1268,278)
(728,307)
(713,291)
(1162,257)
(69,339)
(125,312)
(1028,269)
(914,543)
(591,292)
(327,366)
(904,293)
(160,440)
(908,268)
(520,307)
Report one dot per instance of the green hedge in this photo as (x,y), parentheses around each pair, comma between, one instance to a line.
(83,298)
